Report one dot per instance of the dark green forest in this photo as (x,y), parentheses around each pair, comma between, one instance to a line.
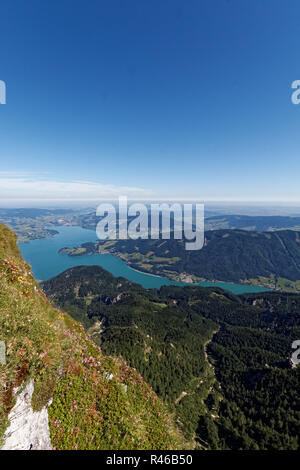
(228,255)
(221,362)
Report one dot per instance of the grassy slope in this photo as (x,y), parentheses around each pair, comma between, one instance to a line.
(99,402)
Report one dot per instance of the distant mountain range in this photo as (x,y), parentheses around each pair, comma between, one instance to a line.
(32,212)
(214,222)
(252,223)
(31,223)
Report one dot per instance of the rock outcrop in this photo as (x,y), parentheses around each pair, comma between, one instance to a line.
(28,429)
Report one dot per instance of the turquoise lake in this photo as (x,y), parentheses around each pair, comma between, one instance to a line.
(46,262)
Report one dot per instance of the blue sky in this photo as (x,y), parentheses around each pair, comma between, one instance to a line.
(160,98)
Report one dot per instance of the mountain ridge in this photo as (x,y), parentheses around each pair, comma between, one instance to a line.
(271,259)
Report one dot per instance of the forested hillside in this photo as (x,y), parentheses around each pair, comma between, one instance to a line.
(268,258)
(219,360)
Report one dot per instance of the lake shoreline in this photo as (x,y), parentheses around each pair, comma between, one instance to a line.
(177,278)
(47,263)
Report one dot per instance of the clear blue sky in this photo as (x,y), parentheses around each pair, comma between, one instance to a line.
(174,98)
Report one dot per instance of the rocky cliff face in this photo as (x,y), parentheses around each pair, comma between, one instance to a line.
(57,389)
(28,429)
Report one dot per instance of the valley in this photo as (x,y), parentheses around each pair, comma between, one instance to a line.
(210,355)
(215,359)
